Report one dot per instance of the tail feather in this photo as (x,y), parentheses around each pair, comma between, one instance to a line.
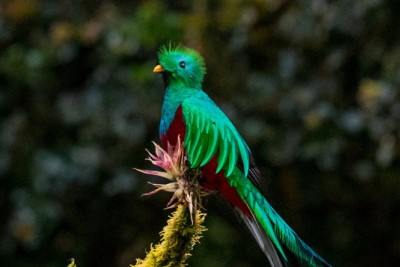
(287,236)
(278,231)
(262,239)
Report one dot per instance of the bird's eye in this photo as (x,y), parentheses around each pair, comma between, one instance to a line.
(182,64)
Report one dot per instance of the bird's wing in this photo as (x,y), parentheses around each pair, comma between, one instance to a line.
(209,132)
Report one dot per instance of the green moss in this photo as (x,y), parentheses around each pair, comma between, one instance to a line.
(177,240)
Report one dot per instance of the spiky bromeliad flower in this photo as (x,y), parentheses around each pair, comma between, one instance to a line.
(185,184)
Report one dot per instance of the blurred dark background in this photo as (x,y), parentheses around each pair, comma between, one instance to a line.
(313,86)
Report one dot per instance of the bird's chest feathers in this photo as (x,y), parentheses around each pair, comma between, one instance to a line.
(176,128)
(172,121)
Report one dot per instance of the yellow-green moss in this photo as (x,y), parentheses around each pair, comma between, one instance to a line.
(72,263)
(177,240)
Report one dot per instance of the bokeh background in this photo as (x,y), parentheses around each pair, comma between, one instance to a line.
(313,86)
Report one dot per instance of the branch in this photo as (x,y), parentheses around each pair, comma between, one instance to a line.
(177,240)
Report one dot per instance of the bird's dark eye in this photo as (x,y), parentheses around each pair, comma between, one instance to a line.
(182,64)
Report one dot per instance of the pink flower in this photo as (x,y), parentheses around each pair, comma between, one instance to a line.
(172,161)
(185,184)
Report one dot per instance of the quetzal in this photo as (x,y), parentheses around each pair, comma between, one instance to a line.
(213,144)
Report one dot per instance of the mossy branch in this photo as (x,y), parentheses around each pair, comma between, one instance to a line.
(184,227)
(177,240)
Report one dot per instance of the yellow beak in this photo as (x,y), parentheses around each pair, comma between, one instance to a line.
(158,68)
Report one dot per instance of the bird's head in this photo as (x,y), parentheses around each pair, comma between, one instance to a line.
(181,66)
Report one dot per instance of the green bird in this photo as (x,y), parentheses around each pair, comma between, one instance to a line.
(212,144)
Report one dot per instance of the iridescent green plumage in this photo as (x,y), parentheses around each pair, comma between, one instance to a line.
(209,131)
(277,229)
(214,145)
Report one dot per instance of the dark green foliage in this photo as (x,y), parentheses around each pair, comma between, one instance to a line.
(312,86)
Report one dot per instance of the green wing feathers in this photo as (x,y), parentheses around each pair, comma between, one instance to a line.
(276,228)
(210,132)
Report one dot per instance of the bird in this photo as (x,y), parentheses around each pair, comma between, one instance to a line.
(213,144)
